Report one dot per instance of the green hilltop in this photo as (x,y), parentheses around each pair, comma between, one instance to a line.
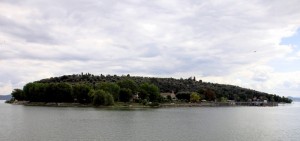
(107,89)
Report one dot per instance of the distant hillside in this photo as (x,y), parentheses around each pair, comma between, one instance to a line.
(5,97)
(296,99)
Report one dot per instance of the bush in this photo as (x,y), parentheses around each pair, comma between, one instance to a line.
(194,97)
(154,104)
(102,98)
(144,101)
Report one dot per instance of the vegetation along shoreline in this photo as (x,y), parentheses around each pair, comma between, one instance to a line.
(87,90)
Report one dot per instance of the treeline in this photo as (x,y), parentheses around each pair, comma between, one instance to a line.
(115,86)
(102,93)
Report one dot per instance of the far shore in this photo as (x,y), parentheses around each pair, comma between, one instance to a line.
(138,105)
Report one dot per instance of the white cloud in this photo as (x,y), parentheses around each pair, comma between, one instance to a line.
(6,87)
(298,54)
(221,41)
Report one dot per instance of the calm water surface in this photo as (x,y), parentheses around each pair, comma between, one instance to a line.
(27,123)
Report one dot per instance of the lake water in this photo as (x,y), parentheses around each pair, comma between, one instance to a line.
(28,123)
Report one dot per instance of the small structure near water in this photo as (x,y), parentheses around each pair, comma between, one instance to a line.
(171,95)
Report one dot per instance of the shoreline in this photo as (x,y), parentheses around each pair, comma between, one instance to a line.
(63,104)
(139,105)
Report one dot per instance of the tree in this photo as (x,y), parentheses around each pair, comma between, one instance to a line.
(64,93)
(50,92)
(149,92)
(18,94)
(125,95)
(110,87)
(185,96)
(210,95)
(80,93)
(201,91)
(194,97)
(143,94)
(34,92)
(109,99)
(223,99)
(128,84)
(91,94)
(102,98)
(26,90)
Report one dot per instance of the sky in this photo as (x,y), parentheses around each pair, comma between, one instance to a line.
(253,44)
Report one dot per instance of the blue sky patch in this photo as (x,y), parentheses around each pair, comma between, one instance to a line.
(293,40)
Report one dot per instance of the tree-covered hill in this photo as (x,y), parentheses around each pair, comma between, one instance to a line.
(209,91)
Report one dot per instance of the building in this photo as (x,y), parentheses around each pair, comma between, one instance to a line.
(172,95)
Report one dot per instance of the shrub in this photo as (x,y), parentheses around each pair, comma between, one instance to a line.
(102,98)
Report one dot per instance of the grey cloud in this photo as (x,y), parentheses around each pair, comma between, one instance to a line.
(31,33)
(212,39)
(260,77)
(151,50)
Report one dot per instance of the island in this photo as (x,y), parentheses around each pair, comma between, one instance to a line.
(112,90)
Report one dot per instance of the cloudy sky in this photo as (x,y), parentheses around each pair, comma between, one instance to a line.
(253,44)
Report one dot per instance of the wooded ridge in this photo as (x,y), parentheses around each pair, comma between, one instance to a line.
(107,89)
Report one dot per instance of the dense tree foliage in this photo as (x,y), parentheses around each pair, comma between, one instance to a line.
(128,84)
(66,89)
(18,94)
(101,97)
(222,99)
(48,92)
(149,92)
(110,87)
(81,93)
(125,94)
(63,92)
(210,95)
(184,96)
